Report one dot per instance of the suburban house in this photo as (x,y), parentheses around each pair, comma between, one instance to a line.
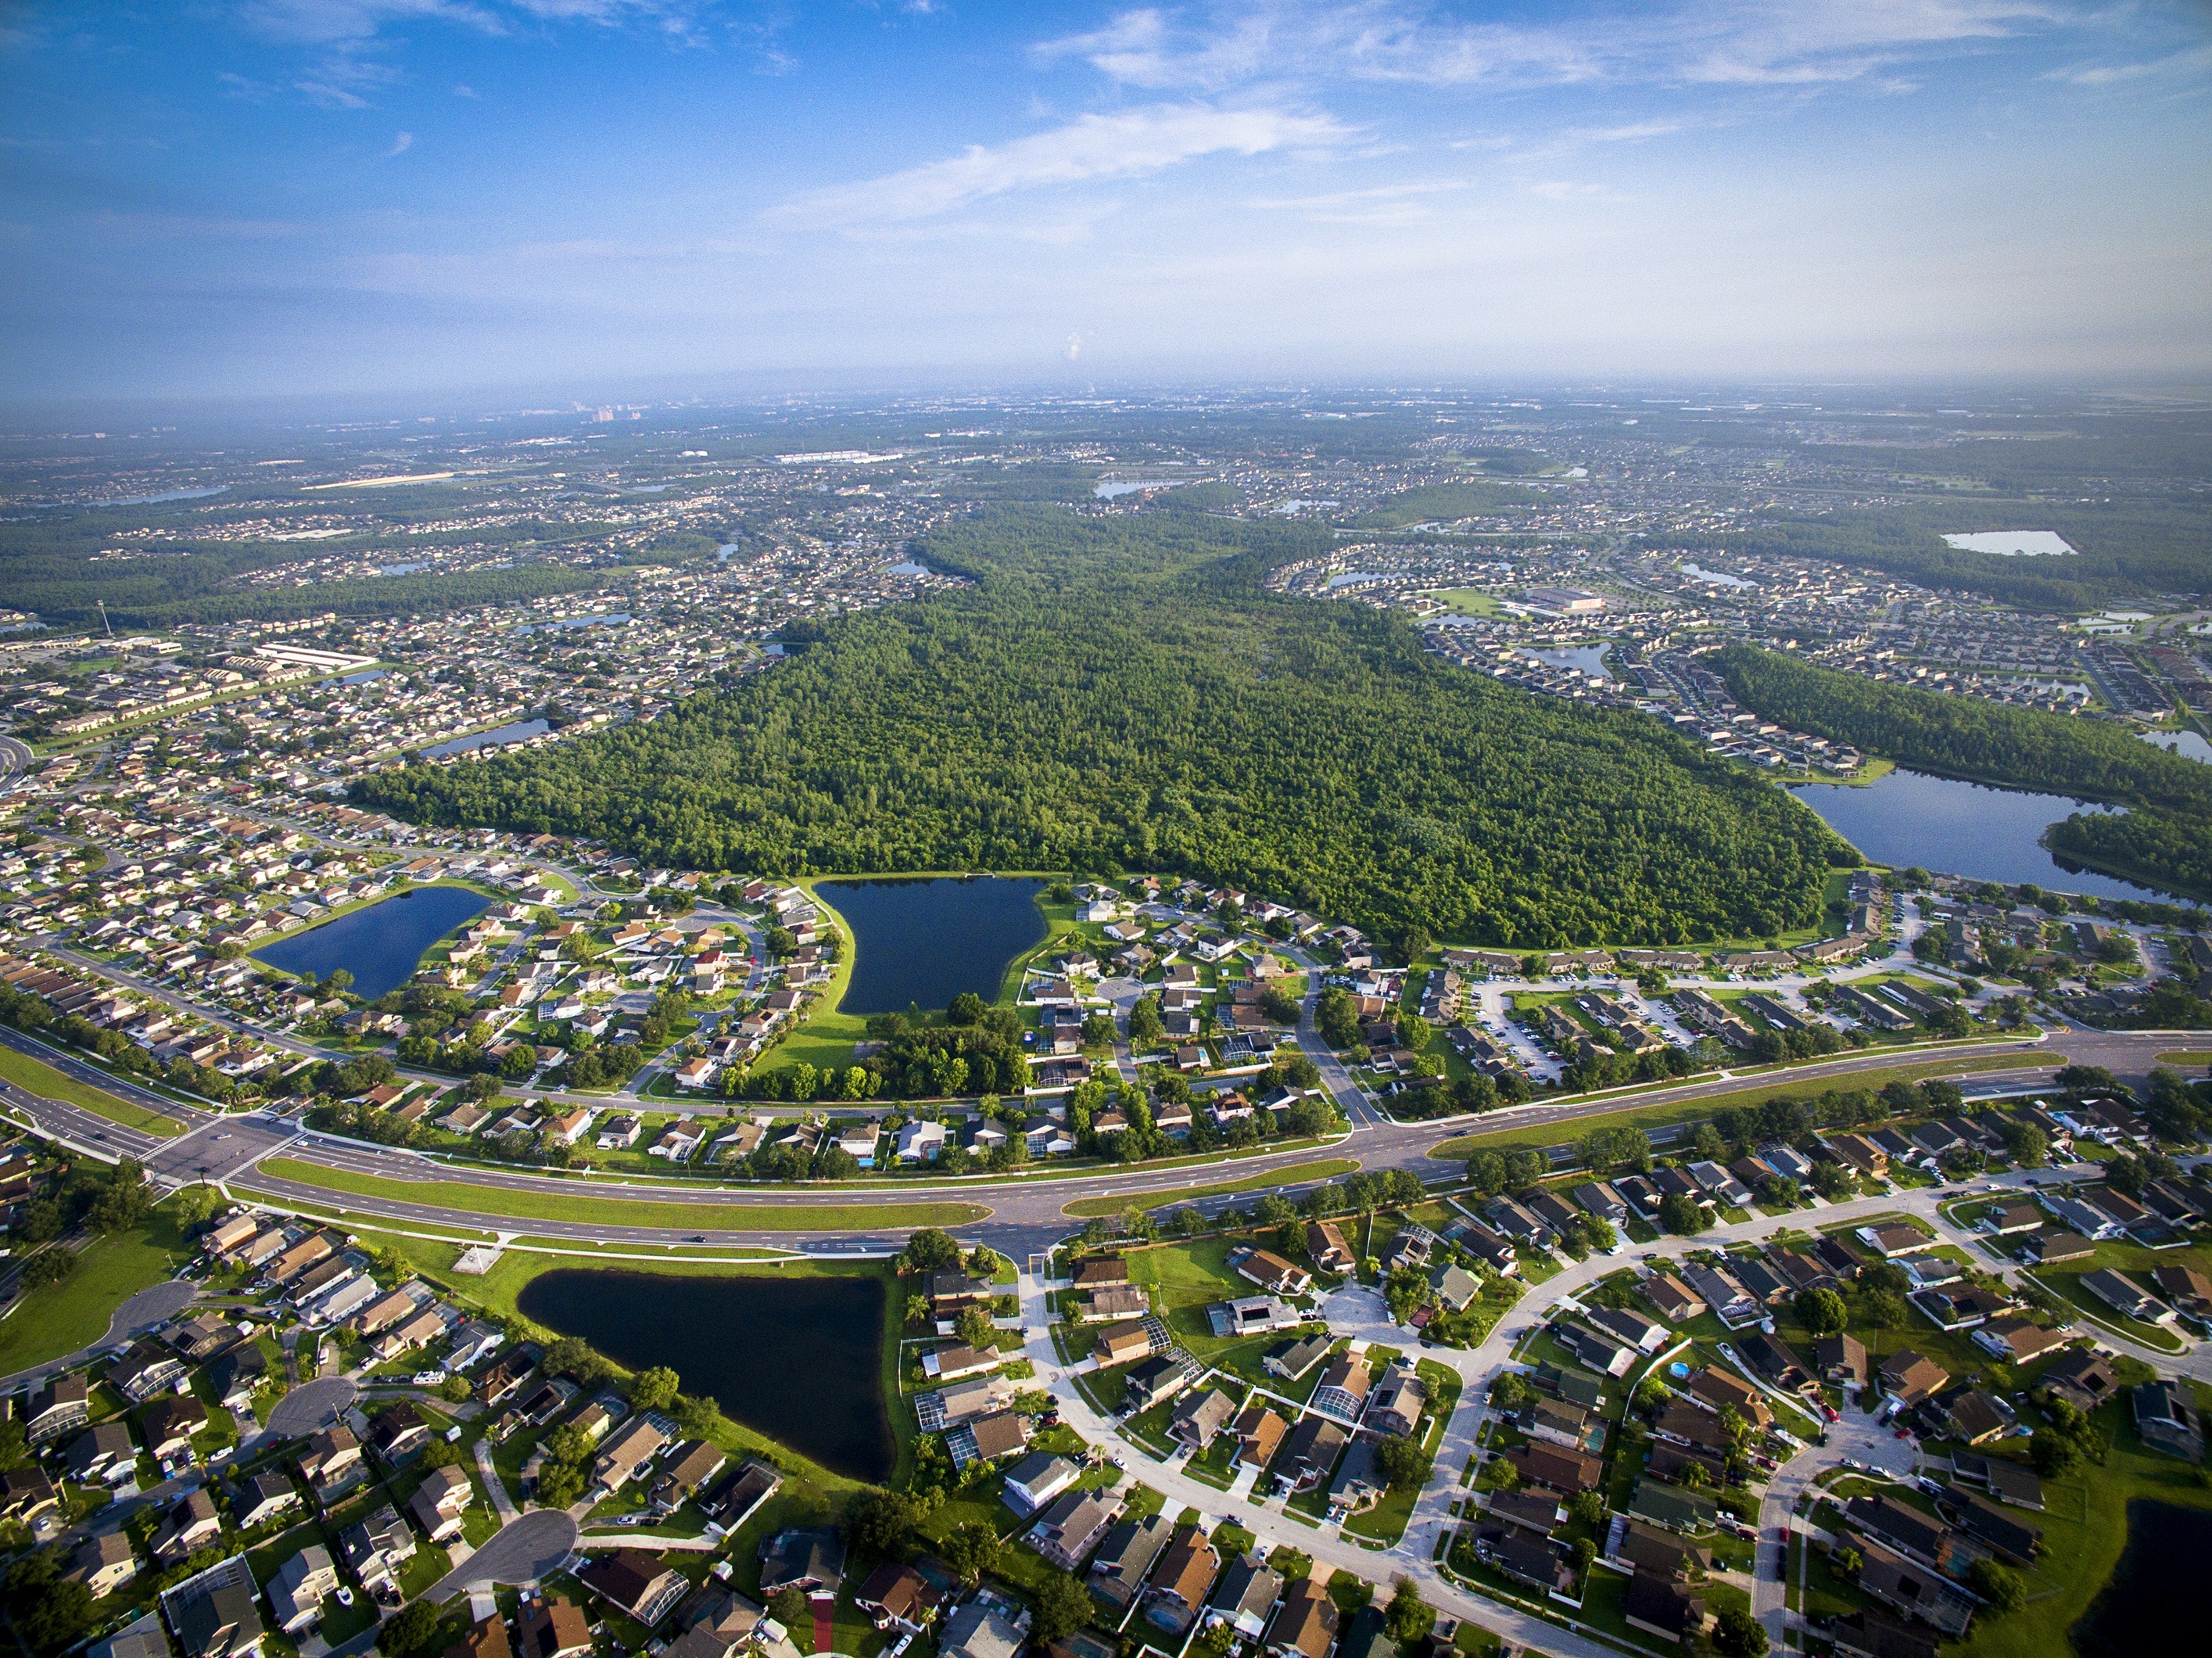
(1118,1569)
(1344,1388)
(1309,1455)
(1260,1434)
(1067,1532)
(297,1589)
(1912,1379)
(898,1597)
(1270,1271)
(1186,1572)
(104,1563)
(636,1585)
(1200,1416)
(1037,1479)
(439,1502)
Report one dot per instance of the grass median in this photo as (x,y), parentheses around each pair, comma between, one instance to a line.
(465,1197)
(35,1076)
(1665,1113)
(1324,1169)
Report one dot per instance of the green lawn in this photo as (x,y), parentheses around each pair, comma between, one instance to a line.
(1323,1168)
(60,1317)
(620,1211)
(37,1077)
(2085,1527)
(1664,1113)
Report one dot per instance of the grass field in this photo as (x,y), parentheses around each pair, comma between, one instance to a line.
(1324,1169)
(1468,602)
(617,1211)
(40,1078)
(1664,1113)
(57,1318)
(2189,1056)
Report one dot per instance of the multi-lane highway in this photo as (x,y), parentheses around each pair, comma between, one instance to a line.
(1023,1212)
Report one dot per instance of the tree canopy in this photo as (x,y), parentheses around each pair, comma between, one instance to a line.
(1125,694)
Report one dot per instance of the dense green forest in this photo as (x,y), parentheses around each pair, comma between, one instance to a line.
(2165,837)
(1122,693)
(1443,501)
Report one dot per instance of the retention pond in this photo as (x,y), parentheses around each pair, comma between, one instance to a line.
(798,1360)
(381,946)
(2155,1599)
(923,941)
(1906,818)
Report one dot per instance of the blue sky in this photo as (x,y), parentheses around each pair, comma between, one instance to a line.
(249,197)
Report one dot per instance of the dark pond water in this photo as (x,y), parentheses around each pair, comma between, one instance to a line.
(2156,1597)
(493,739)
(925,941)
(1959,829)
(799,1360)
(380,946)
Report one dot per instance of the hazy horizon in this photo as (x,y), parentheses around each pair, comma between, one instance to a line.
(367,200)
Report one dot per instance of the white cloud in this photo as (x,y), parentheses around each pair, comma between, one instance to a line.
(400,145)
(1745,42)
(330,22)
(1129,144)
(2194,61)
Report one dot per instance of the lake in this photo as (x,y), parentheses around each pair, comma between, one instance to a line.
(1586,659)
(381,945)
(493,739)
(2190,745)
(615,618)
(924,942)
(2154,1599)
(798,1359)
(1960,829)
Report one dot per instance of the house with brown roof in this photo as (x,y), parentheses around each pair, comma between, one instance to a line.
(2016,1340)
(1260,1434)
(552,1627)
(897,1596)
(1117,1343)
(1717,1390)
(1325,1244)
(1270,1271)
(1912,1378)
(1674,1299)
(1343,1389)
(1305,1625)
(1841,1359)
(1186,1572)
(1562,1470)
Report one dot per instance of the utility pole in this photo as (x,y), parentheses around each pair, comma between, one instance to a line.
(104,623)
